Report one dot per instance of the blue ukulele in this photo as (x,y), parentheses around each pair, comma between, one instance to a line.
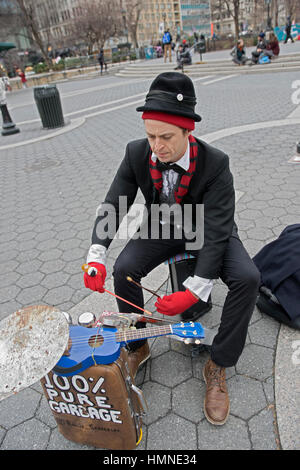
(92,346)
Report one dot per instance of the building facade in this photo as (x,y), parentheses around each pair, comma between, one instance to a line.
(196,17)
(156,16)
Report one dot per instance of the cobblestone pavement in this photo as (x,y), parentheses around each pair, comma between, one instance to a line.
(49,193)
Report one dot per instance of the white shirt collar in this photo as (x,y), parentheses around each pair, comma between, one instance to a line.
(184,161)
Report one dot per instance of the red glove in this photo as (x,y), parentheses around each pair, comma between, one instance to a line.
(175,303)
(96,281)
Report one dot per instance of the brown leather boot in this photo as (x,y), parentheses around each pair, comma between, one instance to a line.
(216,403)
(138,357)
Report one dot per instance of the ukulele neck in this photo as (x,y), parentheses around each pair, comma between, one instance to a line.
(143,333)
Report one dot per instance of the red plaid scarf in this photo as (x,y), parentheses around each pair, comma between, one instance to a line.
(183,187)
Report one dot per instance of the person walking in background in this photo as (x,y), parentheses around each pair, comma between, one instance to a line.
(102,61)
(288,28)
(167,44)
(23,78)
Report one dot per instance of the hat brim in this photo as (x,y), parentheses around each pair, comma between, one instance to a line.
(165,108)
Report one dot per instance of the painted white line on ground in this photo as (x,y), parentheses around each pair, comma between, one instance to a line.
(217,135)
(74,123)
(202,78)
(70,94)
(113,109)
(219,79)
(90,108)
(294,114)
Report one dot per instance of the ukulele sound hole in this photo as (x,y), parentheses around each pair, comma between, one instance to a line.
(95,341)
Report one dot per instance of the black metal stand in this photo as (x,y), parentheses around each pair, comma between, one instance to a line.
(8,127)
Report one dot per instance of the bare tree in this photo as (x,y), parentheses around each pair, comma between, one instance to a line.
(131,13)
(98,21)
(233,7)
(30,20)
(290,7)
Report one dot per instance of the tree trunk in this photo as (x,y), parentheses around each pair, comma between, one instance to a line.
(236,6)
(31,24)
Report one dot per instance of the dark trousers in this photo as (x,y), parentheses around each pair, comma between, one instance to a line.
(288,36)
(238,272)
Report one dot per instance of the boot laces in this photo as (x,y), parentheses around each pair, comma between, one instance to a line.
(216,377)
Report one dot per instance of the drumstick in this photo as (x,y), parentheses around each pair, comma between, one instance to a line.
(87,269)
(124,300)
(142,287)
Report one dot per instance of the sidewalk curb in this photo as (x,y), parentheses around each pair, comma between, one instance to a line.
(287,385)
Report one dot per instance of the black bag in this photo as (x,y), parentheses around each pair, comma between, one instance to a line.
(268,303)
(181,267)
(278,263)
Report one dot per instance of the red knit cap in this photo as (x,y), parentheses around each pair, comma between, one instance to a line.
(179,121)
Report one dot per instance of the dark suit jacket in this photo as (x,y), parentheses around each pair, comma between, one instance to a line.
(211,185)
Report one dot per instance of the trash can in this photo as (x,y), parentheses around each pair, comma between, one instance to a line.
(149,52)
(49,106)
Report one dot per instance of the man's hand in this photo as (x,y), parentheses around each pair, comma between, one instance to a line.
(96,279)
(176,303)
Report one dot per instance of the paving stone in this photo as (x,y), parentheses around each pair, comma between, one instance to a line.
(31,435)
(58,442)
(56,279)
(8,293)
(29,280)
(188,398)
(256,361)
(264,332)
(268,387)
(262,430)
(27,256)
(156,394)
(50,255)
(8,308)
(47,235)
(8,266)
(54,266)
(259,233)
(170,368)
(172,433)
(8,278)
(31,295)
(58,295)
(180,347)
(48,244)
(233,435)
(74,254)
(159,346)
(2,434)
(45,415)
(247,397)
(18,408)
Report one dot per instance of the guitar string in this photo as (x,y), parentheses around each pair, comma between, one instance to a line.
(94,338)
(136,332)
(120,340)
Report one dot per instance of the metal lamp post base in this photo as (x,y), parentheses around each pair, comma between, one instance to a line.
(8,127)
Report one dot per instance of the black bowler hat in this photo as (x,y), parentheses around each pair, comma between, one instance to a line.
(172,93)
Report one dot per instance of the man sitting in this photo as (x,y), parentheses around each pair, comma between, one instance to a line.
(183,57)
